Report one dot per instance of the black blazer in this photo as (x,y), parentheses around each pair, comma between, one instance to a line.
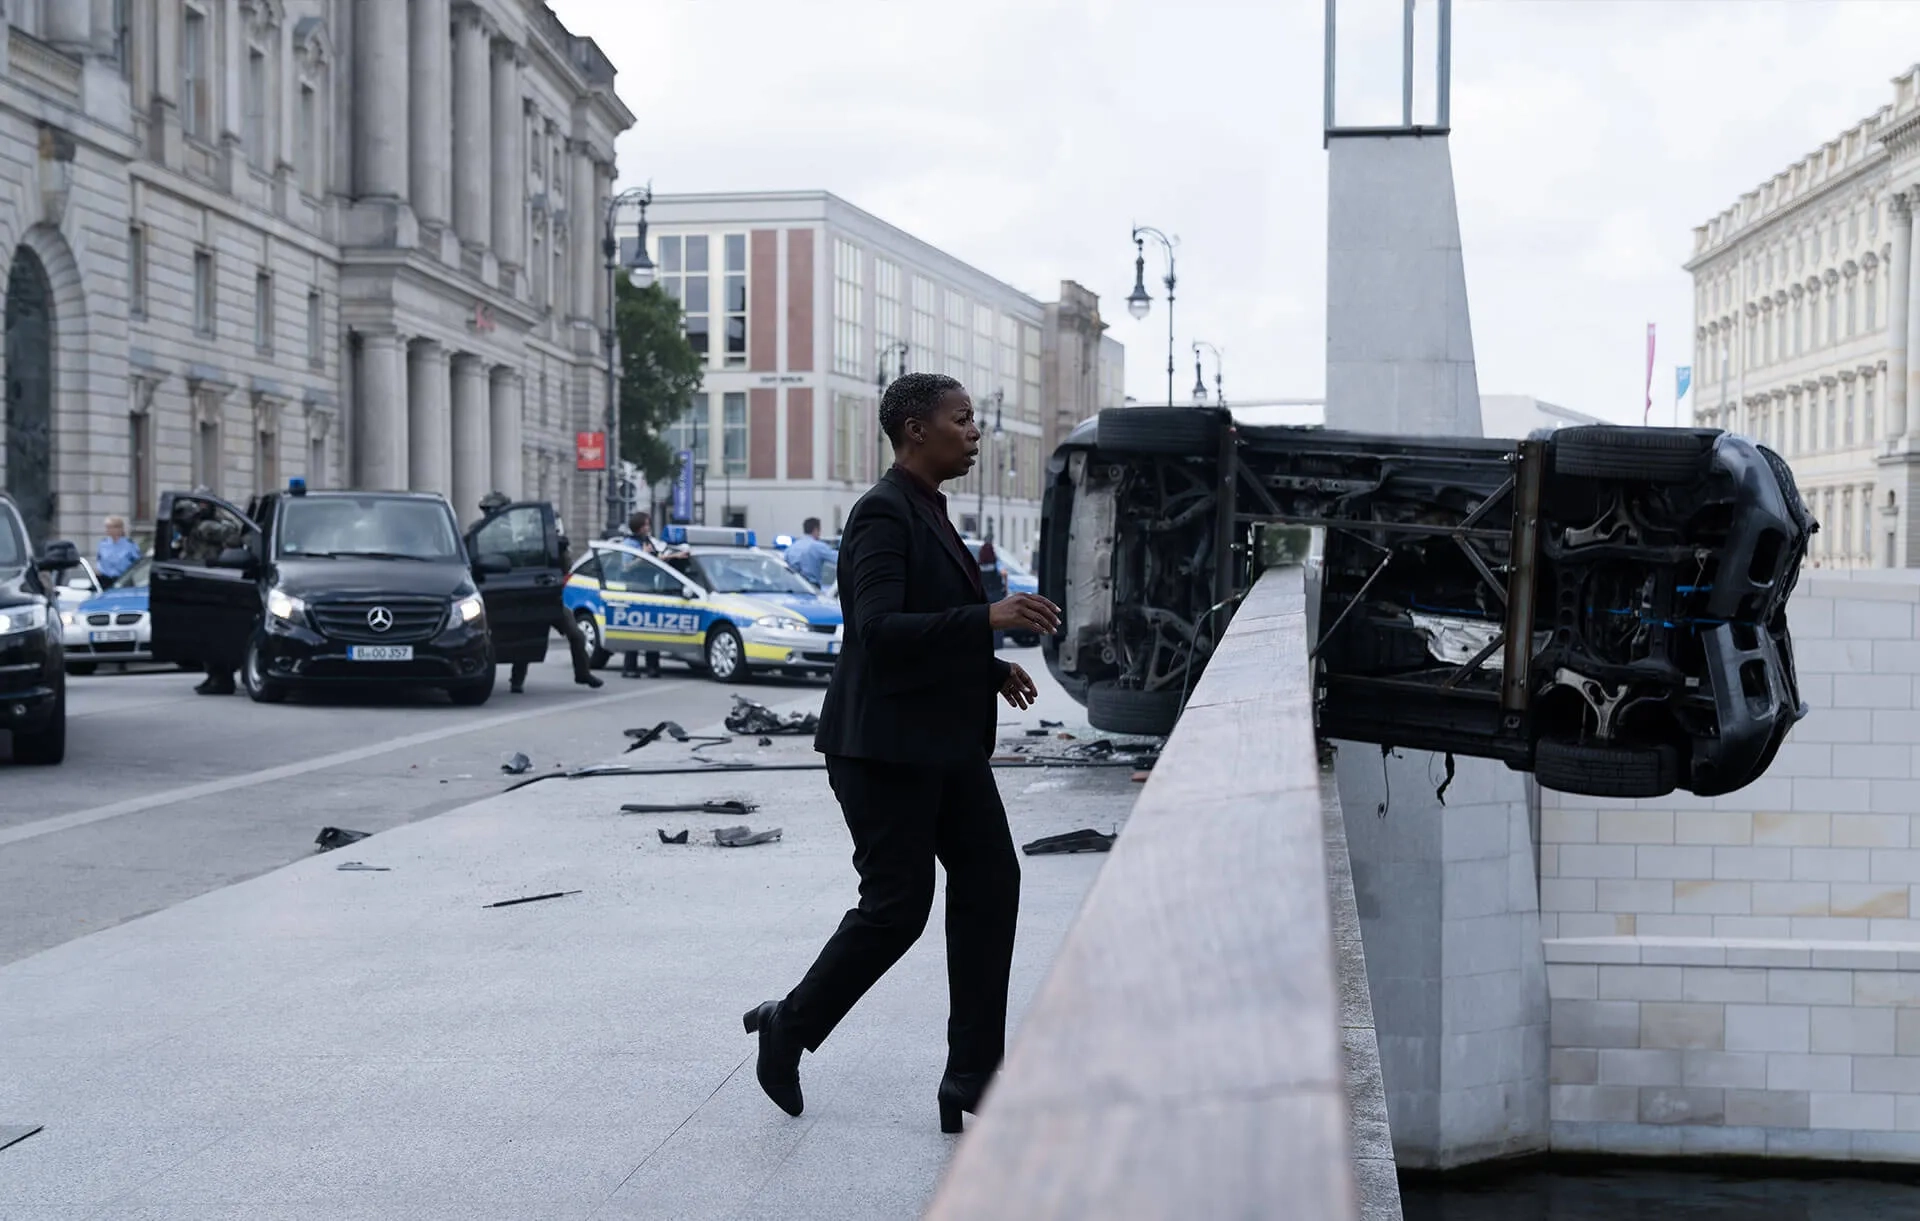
(917,679)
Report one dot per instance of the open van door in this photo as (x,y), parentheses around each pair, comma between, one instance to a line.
(515,555)
(204,590)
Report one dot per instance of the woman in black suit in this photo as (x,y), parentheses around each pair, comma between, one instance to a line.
(908,727)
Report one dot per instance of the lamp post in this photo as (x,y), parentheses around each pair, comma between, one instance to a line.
(897,348)
(980,505)
(639,268)
(1139,301)
(1200,382)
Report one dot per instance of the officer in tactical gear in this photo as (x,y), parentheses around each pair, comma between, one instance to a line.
(201,536)
(561,621)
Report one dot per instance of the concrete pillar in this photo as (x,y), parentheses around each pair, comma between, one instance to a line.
(509,160)
(429,111)
(68,25)
(381,427)
(1900,306)
(429,430)
(507,386)
(583,222)
(380,69)
(472,461)
(472,128)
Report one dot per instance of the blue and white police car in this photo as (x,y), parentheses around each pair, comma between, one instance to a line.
(712,599)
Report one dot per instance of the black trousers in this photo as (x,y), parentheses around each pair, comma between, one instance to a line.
(632,664)
(903,817)
(563,623)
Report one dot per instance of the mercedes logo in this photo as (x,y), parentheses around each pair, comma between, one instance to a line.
(379,618)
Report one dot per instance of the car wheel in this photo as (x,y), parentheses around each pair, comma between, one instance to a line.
(1648,455)
(253,676)
(475,693)
(597,655)
(1118,709)
(1606,771)
(1184,432)
(726,656)
(48,746)
(80,669)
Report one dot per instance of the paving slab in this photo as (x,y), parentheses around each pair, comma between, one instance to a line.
(331,1045)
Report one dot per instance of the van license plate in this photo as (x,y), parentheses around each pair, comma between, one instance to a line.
(380,652)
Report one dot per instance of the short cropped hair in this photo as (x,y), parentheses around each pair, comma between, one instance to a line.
(810,525)
(912,397)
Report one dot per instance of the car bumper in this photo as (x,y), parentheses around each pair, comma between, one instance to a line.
(774,648)
(28,680)
(299,656)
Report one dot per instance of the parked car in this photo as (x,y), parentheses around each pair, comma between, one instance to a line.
(1602,606)
(33,677)
(111,626)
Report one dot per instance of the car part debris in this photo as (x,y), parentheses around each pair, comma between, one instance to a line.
(606,770)
(739,808)
(1046,724)
(678,838)
(672,729)
(749,717)
(517,765)
(764,741)
(1087,840)
(361,867)
(335,837)
(558,894)
(13,1134)
(743,837)
(1036,733)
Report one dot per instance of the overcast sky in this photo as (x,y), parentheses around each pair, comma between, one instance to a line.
(1028,136)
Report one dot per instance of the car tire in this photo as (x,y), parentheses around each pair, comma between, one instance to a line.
(1647,455)
(597,655)
(474,693)
(80,669)
(726,655)
(48,746)
(253,676)
(1606,771)
(1118,709)
(1179,432)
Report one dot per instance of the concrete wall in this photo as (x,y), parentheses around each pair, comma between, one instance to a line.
(1742,973)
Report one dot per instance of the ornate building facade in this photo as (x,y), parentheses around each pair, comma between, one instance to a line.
(1805,324)
(355,241)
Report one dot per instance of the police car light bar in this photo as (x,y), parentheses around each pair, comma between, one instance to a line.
(713,536)
(296,486)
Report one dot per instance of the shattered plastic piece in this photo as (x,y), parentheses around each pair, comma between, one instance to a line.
(764,742)
(1036,733)
(679,838)
(742,837)
(516,765)
(1046,724)
(335,837)
(359,867)
(672,729)
(1087,840)
(558,894)
(749,717)
(13,1134)
(738,808)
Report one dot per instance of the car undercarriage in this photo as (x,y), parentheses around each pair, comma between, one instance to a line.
(1602,606)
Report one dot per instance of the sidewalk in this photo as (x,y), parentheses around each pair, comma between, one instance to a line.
(320,1044)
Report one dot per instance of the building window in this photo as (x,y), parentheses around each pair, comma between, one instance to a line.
(1794,441)
(733,432)
(316,341)
(689,432)
(736,303)
(956,336)
(1766,339)
(263,312)
(1833,416)
(266,460)
(311,159)
(1851,298)
(137,271)
(1873,301)
(316,457)
(257,95)
(1846,521)
(925,359)
(203,295)
(1799,339)
(196,73)
(206,456)
(1833,318)
(849,354)
(1866,524)
(1847,427)
(886,305)
(684,275)
(1010,360)
(847,412)
(1866,414)
(140,477)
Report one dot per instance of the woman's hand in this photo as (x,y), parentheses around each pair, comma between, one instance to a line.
(1018,690)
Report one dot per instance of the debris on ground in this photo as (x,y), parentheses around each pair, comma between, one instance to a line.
(749,717)
(335,837)
(558,894)
(739,808)
(764,742)
(361,867)
(743,837)
(13,1134)
(1087,840)
(1036,733)
(671,729)
(679,838)
(517,765)
(1046,724)
(1141,777)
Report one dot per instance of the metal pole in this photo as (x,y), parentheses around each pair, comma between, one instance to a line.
(1169,325)
(1444,70)
(612,448)
(1327,111)
(1406,67)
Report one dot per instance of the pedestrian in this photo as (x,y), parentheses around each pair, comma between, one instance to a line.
(559,619)
(907,727)
(116,553)
(640,534)
(807,555)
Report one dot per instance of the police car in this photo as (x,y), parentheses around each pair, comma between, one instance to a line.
(713,600)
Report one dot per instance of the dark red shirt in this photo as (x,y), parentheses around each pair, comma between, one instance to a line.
(935,500)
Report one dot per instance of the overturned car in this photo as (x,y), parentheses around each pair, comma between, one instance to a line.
(1602,606)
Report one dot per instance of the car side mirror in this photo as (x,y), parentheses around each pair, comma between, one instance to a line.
(234,557)
(689,593)
(492,565)
(59,556)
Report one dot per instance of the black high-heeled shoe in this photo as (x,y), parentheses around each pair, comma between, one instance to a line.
(778,1065)
(960,1092)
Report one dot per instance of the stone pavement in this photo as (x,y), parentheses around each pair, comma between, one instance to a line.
(324,1044)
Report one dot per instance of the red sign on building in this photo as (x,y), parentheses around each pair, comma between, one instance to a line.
(590,451)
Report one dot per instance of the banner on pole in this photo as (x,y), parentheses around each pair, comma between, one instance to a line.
(590,451)
(1682,379)
(683,486)
(1648,413)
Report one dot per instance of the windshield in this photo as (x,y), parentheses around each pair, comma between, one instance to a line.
(136,576)
(368,526)
(751,573)
(13,548)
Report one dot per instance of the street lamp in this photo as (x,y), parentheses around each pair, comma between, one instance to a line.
(1139,301)
(980,506)
(1200,383)
(897,348)
(639,270)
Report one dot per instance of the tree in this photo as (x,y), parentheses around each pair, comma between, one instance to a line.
(659,375)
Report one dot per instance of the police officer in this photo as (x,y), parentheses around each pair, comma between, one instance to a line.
(583,673)
(640,534)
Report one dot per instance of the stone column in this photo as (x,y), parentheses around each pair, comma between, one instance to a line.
(68,25)
(163,114)
(507,386)
(1901,316)
(509,162)
(429,431)
(472,463)
(583,221)
(380,100)
(381,426)
(429,112)
(472,129)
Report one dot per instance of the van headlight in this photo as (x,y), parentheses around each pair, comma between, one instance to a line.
(470,608)
(22,619)
(284,606)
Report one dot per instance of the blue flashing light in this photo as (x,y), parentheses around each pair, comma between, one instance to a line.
(675,534)
(296,486)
